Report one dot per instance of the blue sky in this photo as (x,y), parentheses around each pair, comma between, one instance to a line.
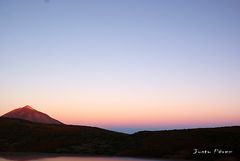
(100,53)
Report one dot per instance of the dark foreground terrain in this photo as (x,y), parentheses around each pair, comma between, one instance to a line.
(221,144)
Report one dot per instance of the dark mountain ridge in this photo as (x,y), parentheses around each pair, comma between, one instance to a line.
(18,135)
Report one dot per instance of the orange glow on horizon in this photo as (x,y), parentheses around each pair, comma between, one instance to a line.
(146,112)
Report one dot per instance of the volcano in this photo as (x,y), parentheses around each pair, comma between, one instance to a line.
(30,114)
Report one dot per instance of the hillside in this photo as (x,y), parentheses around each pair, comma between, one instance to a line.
(24,136)
(209,142)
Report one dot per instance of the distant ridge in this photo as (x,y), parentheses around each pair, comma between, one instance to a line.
(30,114)
(18,136)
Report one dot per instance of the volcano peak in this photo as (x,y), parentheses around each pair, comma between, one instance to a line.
(30,114)
(28,107)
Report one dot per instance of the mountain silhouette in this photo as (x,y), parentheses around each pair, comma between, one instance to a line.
(17,135)
(30,131)
(30,114)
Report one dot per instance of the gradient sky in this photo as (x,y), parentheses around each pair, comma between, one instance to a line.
(125,65)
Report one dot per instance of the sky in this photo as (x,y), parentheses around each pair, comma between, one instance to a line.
(124,65)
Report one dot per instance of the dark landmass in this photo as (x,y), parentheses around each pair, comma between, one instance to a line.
(23,136)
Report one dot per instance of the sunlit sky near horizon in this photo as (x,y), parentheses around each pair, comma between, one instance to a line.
(126,65)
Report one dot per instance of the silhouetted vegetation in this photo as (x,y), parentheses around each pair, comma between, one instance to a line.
(23,136)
